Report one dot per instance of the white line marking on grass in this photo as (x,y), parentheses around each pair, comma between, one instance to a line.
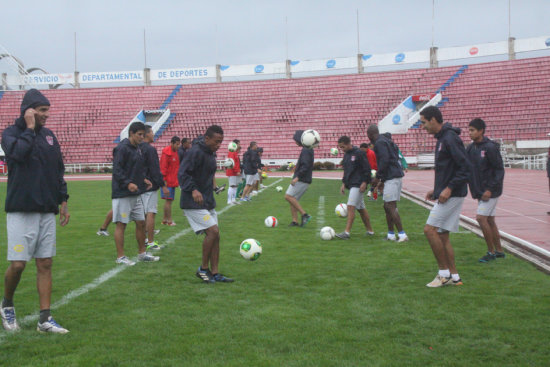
(320,214)
(106,276)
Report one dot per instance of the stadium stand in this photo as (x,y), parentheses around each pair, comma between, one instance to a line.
(511,96)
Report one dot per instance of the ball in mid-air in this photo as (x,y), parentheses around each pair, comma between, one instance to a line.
(232,147)
(250,249)
(310,138)
(264,175)
(271,221)
(373,173)
(334,151)
(341,210)
(327,233)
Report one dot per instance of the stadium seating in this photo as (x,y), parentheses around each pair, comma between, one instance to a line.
(511,96)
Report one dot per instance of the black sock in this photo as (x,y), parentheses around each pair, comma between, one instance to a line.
(202,269)
(44,315)
(7,302)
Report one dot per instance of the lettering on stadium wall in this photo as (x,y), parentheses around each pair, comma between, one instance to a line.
(180,73)
(110,77)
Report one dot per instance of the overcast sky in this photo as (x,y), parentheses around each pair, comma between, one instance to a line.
(185,33)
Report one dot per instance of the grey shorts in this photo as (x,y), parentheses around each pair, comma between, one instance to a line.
(201,219)
(487,208)
(447,215)
(297,190)
(128,209)
(234,180)
(392,189)
(150,201)
(30,235)
(250,179)
(355,198)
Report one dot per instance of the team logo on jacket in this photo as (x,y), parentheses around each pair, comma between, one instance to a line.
(49,139)
(352,158)
(482,154)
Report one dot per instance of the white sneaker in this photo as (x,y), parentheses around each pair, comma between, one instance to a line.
(8,319)
(125,261)
(262,186)
(439,281)
(51,326)
(102,232)
(254,193)
(403,238)
(145,257)
(157,231)
(391,238)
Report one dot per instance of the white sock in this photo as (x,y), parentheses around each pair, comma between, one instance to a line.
(231,194)
(455,277)
(444,273)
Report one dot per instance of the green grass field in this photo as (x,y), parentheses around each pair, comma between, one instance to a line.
(305,302)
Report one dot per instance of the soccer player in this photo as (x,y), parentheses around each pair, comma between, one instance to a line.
(128,183)
(234,174)
(452,170)
(250,167)
(356,178)
(486,182)
(301,179)
(371,157)
(150,197)
(36,189)
(388,180)
(184,147)
(196,178)
(169,165)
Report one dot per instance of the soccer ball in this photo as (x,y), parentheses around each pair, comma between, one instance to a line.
(334,151)
(271,221)
(290,165)
(264,174)
(279,188)
(327,233)
(310,139)
(341,210)
(250,249)
(229,163)
(373,173)
(232,147)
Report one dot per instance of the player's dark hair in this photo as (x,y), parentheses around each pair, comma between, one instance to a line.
(175,139)
(213,129)
(184,140)
(135,127)
(236,141)
(478,124)
(363,145)
(432,112)
(344,140)
(252,143)
(148,128)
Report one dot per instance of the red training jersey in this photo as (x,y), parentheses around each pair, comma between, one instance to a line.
(236,170)
(372,159)
(169,165)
